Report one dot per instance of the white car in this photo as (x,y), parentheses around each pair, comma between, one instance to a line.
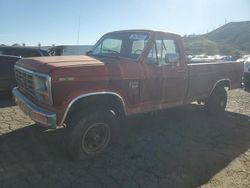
(246,78)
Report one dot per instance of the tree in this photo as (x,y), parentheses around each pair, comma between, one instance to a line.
(16,44)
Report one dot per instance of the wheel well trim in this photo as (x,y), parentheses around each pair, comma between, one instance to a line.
(88,95)
(221,80)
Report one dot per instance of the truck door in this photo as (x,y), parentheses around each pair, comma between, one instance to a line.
(175,70)
(153,82)
(166,82)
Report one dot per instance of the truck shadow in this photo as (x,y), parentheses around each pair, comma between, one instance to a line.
(182,147)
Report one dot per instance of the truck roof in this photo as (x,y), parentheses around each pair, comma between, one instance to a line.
(143,30)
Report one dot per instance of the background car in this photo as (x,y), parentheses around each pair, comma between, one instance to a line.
(246,78)
(22,51)
(8,57)
(7,77)
(70,50)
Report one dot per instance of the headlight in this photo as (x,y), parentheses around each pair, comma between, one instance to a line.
(41,83)
(42,88)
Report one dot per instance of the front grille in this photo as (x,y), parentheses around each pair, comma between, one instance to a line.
(25,81)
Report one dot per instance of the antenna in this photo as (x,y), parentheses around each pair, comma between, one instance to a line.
(78,30)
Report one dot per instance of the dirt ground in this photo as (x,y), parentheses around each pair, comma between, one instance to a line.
(182,147)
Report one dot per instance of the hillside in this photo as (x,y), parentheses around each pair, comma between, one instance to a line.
(228,39)
(195,45)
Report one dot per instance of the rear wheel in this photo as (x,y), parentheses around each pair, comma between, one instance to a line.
(217,101)
(90,134)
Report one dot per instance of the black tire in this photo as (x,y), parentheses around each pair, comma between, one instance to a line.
(217,101)
(38,128)
(84,138)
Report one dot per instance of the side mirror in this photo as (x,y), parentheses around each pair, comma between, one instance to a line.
(171,58)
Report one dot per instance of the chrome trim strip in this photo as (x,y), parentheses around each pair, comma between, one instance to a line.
(42,75)
(224,79)
(91,94)
(34,109)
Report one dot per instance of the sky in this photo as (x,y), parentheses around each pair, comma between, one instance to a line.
(59,21)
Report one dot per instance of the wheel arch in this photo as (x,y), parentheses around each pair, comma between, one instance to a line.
(99,99)
(226,82)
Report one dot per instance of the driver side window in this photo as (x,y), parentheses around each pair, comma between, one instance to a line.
(160,49)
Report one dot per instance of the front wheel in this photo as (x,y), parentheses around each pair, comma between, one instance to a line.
(90,135)
(217,101)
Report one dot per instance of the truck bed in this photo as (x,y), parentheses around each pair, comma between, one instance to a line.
(204,76)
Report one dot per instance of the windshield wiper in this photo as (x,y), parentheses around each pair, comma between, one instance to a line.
(106,55)
(112,54)
(109,50)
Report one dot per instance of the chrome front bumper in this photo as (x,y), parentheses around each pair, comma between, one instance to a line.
(39,115)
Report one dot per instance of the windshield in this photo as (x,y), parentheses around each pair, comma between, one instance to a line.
(121,44)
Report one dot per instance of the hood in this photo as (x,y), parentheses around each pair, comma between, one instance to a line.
(46,64)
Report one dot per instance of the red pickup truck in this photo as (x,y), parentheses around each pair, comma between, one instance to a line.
(126,73)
